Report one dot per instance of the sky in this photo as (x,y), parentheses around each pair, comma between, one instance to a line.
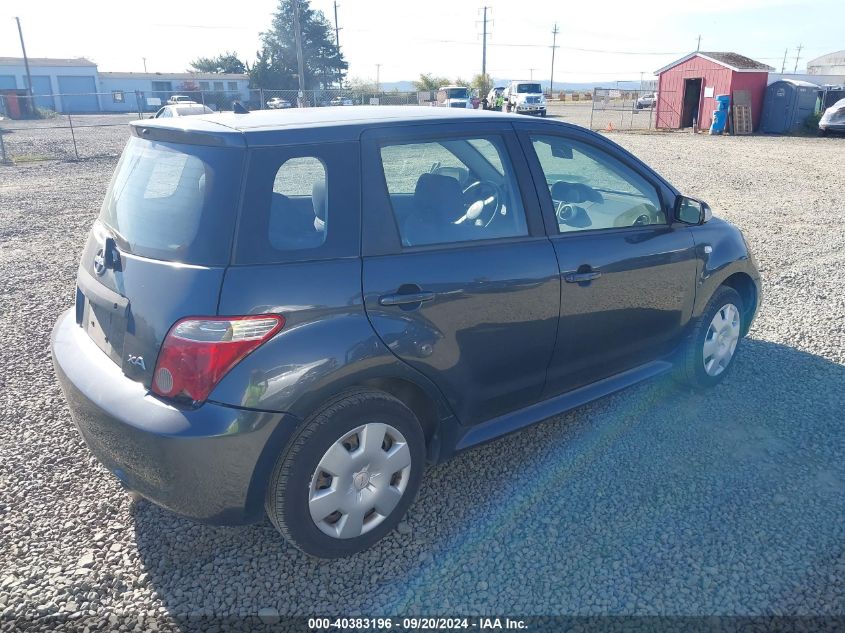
(609,40)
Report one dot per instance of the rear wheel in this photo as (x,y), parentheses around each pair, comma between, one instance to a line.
(713,341)
(348,477)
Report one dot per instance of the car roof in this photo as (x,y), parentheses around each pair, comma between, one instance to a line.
(273,127)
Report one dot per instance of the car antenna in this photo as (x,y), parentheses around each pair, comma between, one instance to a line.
(239,108)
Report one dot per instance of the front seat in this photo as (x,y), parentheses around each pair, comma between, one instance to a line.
(438,204)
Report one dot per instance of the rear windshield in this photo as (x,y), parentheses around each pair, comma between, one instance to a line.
(174,202)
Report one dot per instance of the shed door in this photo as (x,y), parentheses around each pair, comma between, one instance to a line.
(78,94)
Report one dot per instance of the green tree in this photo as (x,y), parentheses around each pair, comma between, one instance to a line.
(276,63)
(483,83)
(428,81)
(228,62)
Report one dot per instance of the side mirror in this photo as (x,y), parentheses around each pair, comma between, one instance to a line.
(692,211)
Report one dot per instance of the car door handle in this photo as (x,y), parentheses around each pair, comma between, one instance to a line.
(399,299)
(577,278)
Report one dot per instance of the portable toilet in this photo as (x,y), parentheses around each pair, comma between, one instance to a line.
(787,105)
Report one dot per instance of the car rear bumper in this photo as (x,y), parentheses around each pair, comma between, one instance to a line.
(210,464)
(832,127)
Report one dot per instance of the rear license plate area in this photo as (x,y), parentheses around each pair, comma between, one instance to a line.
(105,327)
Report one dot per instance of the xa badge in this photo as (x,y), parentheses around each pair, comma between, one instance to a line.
(138,361)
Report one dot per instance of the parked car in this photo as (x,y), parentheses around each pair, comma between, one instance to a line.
(292,318)
(176,99)
(277,103)
(525,97)
(189,109)
(647,101)
(341,101)
(833,119)
(453,97)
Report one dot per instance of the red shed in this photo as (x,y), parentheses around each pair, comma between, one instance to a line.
(687,88)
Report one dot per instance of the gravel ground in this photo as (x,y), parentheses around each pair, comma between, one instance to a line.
(653,501)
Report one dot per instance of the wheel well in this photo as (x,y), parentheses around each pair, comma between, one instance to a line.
(744,285)
(413,397)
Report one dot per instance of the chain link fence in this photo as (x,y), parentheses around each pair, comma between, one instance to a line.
(622,109)
(81,126)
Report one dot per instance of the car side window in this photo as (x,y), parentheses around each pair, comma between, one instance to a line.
(299,204)
(591,189)
(452,190)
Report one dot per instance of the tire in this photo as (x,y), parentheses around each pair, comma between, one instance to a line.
(301,477)
(702,370)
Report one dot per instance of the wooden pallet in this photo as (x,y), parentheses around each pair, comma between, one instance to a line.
(742,119)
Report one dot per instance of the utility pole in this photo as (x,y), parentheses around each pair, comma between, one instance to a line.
(783,66)
(698,46)
(531,73)
(554,46)
(25,59)
(299,61)
(378,72)
(145,63)
(484,50)
(797,57)
(337,44)
(336,28)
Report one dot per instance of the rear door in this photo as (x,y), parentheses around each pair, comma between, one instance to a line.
(628,272)
(459,278)
(159,248)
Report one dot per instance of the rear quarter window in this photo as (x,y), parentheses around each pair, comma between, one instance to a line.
(301,203)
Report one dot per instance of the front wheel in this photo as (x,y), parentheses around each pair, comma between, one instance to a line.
(348,476)
(713,341)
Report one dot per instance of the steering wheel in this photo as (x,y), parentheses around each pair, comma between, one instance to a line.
(484,199)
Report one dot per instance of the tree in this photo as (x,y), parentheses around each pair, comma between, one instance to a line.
(428,81)
(276,63)
(228,62)
(482,83)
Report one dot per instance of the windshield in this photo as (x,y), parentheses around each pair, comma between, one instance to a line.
(457,93)
(174,202)
(531,88)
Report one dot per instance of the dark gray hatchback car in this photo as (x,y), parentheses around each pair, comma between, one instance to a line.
(292,312)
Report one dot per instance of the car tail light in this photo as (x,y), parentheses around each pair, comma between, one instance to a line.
(198,351)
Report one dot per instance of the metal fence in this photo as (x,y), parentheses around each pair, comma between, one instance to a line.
(618,109)
(80,126)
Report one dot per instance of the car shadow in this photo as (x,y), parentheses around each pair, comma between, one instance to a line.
(656,500)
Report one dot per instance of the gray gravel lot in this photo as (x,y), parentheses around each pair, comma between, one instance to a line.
(652,501)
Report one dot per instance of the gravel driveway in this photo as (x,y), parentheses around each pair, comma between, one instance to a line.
(651,501)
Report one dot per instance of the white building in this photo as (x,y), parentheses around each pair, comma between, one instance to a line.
(830,64)
(75,85)
(76,79)
(121,92)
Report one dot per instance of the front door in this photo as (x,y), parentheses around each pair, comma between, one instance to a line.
(459,279)
(627,272)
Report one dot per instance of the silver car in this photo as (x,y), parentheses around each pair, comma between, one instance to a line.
(833,119)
